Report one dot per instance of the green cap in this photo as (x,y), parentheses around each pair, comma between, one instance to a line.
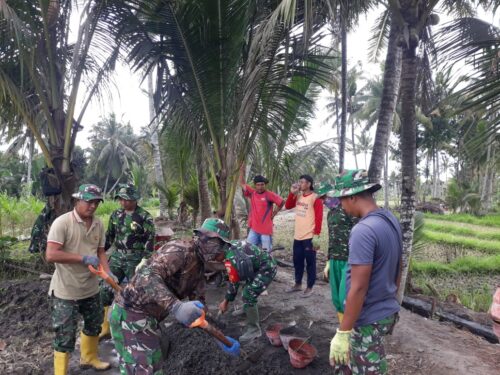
(88,192)
(213,227)
(323,188)
(352,182)
(127,192)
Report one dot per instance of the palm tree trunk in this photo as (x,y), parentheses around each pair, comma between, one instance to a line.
(392,75)
(158,167)
(337,125)
(386,180)
(409,158)
(106,183)
(31,151)
(354,151)
(434,174)
(203,192)
(438,177)
(116,182)
(343,119)
(485,188)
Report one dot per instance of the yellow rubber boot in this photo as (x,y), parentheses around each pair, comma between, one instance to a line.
(340,316)
(61,362)
(88,353)
(105,332)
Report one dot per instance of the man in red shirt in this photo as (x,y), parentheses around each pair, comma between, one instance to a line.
(308,219)
(260,218)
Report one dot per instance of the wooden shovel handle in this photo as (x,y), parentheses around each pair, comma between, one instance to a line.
(202,323)
(104,275)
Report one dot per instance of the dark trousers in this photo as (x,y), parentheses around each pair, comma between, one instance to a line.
(303,252)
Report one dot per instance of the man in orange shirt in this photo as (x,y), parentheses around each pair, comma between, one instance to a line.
(308,219)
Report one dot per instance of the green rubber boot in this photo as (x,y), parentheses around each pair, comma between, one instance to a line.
(253,330)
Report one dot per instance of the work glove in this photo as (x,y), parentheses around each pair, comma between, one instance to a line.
(339,348)
(91,260)
(141,264)
(326,271)
(233,350)
(187,312)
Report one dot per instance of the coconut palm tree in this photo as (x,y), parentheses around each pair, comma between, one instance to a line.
(112,150)
(43,76)
(413,18)
(224,72)
(155,146)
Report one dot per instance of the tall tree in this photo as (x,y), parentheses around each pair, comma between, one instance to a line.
(154,129)
(391,79)
(343,89)
(225,76)
(112,151)
(43,75)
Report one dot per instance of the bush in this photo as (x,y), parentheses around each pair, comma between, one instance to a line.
(17,215)
(107,207)
(151,202)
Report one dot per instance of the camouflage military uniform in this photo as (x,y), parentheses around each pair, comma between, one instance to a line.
(339,229)
(263,269)
(174,272)
(65,320)
(133,237)
(38,242)
(367,347)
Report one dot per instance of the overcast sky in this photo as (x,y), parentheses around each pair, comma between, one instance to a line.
(130,103)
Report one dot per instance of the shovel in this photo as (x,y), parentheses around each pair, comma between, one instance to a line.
(202,323)
(104,275)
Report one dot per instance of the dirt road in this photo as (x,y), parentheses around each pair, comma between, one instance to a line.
(418,346)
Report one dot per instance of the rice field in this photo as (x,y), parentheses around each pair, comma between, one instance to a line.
(461,256)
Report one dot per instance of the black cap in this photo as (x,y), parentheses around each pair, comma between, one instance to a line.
(260,178)
(308,178)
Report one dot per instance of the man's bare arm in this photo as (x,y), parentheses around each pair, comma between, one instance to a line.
(360,280)
(55,254)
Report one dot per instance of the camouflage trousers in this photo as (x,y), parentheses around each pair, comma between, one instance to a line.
(367,347)
(65,315)
(252,290)
(122,264)
(137,341)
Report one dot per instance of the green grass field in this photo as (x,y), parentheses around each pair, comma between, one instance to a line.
(469,265)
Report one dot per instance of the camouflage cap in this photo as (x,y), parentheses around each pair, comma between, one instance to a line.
(213,227)
(127,192)
(352,182)
(323,188)
(88,192)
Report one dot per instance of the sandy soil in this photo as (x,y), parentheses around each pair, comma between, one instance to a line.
(418,346)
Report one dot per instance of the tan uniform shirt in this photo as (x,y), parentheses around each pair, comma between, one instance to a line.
(75,281)
(304,217)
